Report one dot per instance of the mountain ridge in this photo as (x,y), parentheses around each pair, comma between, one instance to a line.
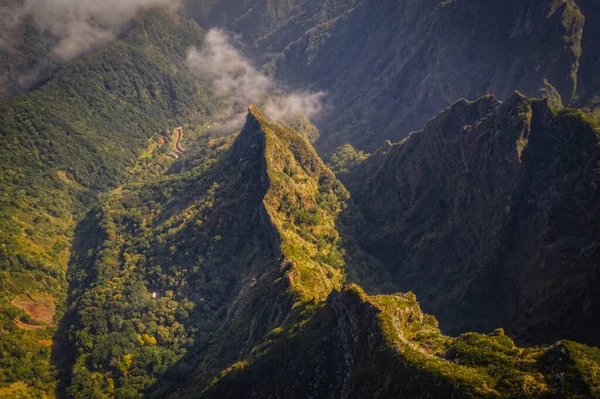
(441,51)
(359,346)
(285,319)
(377,339)
(467,217)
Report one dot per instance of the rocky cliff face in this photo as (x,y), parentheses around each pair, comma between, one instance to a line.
(490,215)
(389,66)
(378,347)
(589,83)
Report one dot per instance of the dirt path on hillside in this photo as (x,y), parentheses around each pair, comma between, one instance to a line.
(178,133)
(176,148)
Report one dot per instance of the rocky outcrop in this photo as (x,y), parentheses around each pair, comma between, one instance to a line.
(357,346)
(490,215)
(588,79)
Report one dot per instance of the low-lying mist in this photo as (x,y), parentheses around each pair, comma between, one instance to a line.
(63,30)
(74,26)
(234,77)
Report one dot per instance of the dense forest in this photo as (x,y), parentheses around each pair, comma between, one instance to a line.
(66,143)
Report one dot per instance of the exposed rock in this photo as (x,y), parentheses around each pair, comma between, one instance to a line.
(357,346)
(389,66)
(490,214)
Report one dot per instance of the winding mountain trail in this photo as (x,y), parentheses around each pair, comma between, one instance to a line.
(178,132)
(176,148)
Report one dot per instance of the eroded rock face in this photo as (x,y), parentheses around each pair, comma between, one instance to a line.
(589,79)
(359,346)
(390,66)
(490,215)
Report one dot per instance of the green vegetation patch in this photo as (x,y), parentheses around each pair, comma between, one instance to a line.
(77,135)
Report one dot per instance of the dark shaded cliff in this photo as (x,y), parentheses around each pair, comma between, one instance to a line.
(356,346)
(589,80)
(490,215)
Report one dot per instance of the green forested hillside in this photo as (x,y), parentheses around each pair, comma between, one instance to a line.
(165,270)
(158,237)
(224,278)
(64,143)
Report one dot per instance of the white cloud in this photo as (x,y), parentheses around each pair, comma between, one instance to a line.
(77,26)
(235,78)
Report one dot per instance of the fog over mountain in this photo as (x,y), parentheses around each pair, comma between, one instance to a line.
(233,76)
(75,26)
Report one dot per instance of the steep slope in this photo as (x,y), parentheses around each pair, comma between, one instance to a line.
(590,60)
(223,278)
(390,66)
(23,52)
(37,38)
(379,347)
(190,271)
(76,135)
(253,18)
(490,215)
(270,25)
